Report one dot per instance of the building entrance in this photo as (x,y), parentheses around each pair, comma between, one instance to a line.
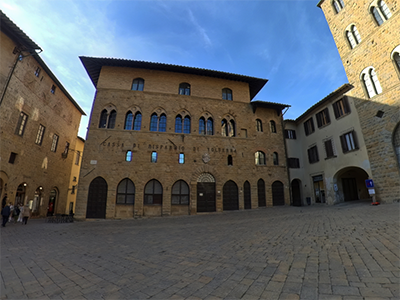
(296,194)
(231,196)
(97,199)
(319,190)
(206,193)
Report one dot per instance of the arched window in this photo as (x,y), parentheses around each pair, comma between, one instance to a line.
(210,126)
(380,11)
(137,123)
(184,89)
(128,121)
(371,82)
(202,126)
(178,124)
(275,159)
(154,122)
(153,193)
(162,127)
(186,125)
(273,126)
(180,193)
(226,94)
(103,119)
(126,192)
(260,158)
(338,5)
(111,119)
(230,160)
(228,128)
(259,125)
(353,36)
(137,84)
(395,56)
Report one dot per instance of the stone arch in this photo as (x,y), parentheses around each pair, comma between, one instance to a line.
(349,184)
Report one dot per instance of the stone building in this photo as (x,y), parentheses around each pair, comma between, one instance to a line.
(327,157)
(173,140)
(39,126)
(367,35)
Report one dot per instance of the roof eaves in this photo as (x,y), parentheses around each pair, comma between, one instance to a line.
(320,3)
(14,32)
(335,94)
(93,67)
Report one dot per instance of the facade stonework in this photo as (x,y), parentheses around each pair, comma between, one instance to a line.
(377,92)
(227,162)
(34,108)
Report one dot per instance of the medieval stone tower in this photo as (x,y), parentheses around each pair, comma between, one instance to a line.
(367,35)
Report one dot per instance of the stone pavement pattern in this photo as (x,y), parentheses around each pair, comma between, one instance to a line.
(344,252)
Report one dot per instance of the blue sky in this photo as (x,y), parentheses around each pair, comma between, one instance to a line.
(286,42)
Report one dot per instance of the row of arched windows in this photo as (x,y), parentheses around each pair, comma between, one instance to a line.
(378,9)
(184,89)
(182,123)
(380,12)
(180,193)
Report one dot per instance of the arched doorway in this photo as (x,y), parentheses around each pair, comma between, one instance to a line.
(396,143)
(52,202)
(296,193)
(97,199)
(247,195)
(230,196)
(278,197)
(350,184)
(206,193)
(261,193)
(20,195)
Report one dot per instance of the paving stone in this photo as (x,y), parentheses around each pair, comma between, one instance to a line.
(229,255)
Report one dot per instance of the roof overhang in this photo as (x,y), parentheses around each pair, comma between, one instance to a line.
(271,105)
(335,94)
(93,67)
(17,35)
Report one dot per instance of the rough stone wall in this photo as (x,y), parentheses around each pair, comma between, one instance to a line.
(108,146)
(35,165)
(377,44)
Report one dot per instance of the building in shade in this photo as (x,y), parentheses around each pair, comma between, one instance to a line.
(173,140)
(367,36)
(39,127)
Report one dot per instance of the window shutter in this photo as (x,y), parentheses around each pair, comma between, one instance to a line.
(319,119)
(306,128)
(346,104)
(286,134)
(336,110)
(329,148)
(355,139)
(343,143)
(328,119)
(294,134)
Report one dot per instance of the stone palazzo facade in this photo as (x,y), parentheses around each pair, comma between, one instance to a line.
(172,140)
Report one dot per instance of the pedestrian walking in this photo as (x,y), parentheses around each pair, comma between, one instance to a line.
(20,216)
(26,213)
(16,212)
(11,212)
(5,213)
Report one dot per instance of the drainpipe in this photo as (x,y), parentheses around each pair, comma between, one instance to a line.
(286,156)
(19,55)
(9,77)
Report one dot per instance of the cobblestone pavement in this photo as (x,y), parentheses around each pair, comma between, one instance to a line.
(348,251)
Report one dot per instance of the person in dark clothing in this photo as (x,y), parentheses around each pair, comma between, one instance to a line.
(5,212)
